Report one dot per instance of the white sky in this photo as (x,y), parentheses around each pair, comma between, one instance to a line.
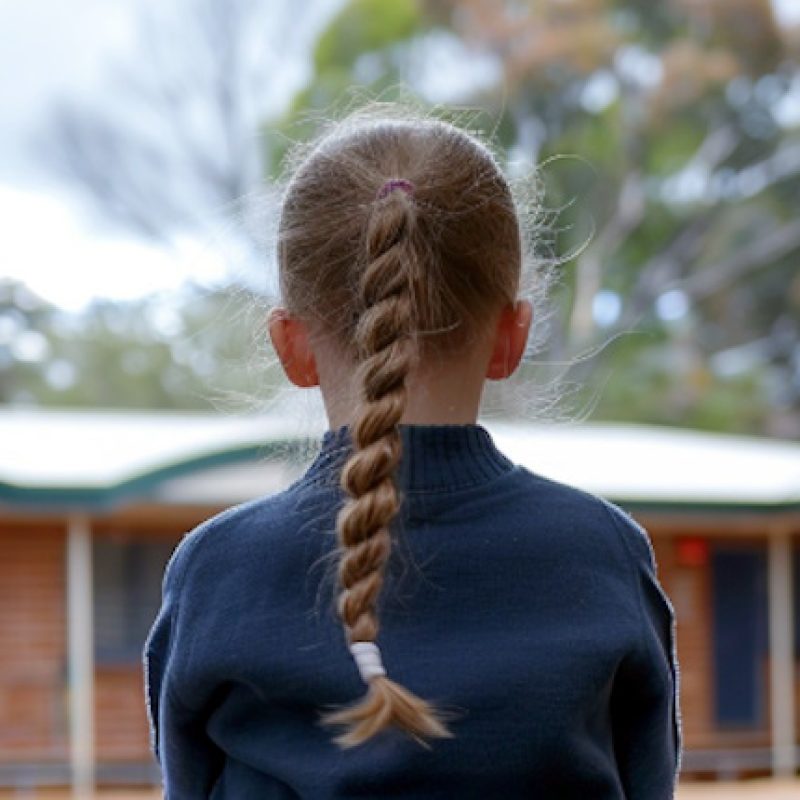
(51,48)
(49,239)
(76,260)
(788,11)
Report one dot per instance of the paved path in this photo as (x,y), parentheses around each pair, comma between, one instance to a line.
(744,790)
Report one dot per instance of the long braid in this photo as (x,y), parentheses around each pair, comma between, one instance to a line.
(417,272)
(385,340)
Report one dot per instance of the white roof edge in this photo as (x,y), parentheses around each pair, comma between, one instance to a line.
(98,448)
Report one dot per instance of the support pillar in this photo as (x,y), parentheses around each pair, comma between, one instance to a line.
(80,656)
(781,652)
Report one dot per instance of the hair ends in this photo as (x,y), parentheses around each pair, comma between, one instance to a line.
(386,705)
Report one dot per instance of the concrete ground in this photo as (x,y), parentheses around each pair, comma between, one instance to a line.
(743,790)
(762,789)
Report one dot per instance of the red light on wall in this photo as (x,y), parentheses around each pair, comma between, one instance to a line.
(691,551)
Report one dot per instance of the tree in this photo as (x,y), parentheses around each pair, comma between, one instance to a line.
(174,144)
(665,135)
(201,349)
(679,123)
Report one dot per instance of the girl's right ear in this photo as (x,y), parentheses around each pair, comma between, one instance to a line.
(291,339)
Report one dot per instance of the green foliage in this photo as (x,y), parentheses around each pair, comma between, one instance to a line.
(642,141)
(197,350)
(667,171)
(665,155)
(362,29)
(649,385)
(364,26)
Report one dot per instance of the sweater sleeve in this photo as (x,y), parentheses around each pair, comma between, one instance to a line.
(645,706)
(189,760)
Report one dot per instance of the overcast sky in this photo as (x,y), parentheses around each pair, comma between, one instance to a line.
(51,239)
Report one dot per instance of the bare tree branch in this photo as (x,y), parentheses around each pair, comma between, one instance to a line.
(628,214)
(762,253)
(667,265)
(177,144)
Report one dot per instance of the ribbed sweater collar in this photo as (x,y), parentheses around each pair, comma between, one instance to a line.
(435,458)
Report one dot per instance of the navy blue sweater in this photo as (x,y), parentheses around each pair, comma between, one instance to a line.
(527,608)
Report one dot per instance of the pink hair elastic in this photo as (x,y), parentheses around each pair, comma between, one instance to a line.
(395,183)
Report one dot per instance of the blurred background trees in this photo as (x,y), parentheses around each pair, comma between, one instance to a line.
(668,136)
(202,348)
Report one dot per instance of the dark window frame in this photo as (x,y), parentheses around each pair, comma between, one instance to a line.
(127,576)
(740,634)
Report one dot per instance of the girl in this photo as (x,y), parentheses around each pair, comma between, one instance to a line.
(495,634)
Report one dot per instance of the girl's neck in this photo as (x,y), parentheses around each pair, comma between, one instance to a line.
(450,395)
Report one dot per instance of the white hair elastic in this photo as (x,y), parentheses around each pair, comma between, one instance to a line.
(368,660)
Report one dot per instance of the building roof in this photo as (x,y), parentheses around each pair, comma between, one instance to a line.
(100,458)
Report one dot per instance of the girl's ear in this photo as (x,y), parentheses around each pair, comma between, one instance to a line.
(511,336)
(291,339)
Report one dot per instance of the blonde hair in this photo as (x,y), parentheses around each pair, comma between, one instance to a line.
(398,236)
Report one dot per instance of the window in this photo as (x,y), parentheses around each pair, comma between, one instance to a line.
(127,594)
(739,608)
(796,589)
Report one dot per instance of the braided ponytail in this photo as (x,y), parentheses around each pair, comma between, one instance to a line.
(417,271)
(386,348)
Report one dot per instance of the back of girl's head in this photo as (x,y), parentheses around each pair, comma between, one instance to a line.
(455,221)
(398,237)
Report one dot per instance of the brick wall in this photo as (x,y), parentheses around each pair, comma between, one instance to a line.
(33,701)
(122,732)
(33,696)
(688,588)
(33,659)
(120,715)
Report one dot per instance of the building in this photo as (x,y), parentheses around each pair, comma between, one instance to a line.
(93,502)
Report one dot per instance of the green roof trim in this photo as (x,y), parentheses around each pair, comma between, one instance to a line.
(52,461)
(703,508)
(292,451)
(141,485)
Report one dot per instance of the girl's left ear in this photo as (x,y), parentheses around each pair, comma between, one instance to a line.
(291,339)
(511,335)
